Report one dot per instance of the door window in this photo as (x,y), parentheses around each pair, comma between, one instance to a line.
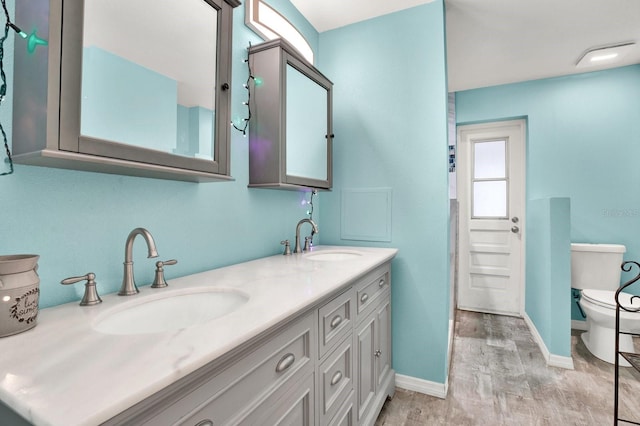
(490,181)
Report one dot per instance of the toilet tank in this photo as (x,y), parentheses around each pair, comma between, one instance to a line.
(596,266)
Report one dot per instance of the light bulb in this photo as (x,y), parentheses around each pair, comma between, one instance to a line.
(35,41)
(237,122)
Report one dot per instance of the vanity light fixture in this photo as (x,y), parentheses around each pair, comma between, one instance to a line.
(269,24)
(604,55)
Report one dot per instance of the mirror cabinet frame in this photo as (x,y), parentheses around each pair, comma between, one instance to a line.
(49,133)
(268,124)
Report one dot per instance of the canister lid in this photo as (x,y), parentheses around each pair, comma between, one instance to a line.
(16,263)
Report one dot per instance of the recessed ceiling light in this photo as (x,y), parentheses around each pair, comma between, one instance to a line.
(604,55)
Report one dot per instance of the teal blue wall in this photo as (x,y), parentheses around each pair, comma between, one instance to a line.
(195,131)
(78,221)
(390,123)
(548,276)
(116,91)
(583,143)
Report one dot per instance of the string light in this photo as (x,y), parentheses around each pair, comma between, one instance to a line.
(33,41)
(241,124)
(310,203)
(3,87)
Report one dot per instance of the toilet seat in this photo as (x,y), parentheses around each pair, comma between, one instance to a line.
(607,298)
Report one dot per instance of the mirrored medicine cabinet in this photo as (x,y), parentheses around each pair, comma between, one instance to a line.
(290,131)
(137,88)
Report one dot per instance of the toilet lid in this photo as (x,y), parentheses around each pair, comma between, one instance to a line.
(607,298)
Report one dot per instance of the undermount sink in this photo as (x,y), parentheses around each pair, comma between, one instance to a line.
(333,255)
(169,312)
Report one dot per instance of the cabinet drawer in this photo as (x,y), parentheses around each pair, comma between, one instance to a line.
(336,380)
(369,288)
(335,320)
(283,358)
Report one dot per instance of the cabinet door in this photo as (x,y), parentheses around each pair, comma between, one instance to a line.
(366,365)
(383,341)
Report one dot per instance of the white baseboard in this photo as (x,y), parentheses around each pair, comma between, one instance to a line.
(578,325)
(439,390)
(450,347)
(552,360)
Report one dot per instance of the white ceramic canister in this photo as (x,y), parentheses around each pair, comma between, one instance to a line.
(19,293)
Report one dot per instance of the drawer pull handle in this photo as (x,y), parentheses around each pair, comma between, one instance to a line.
(205,422)
(336,321)
(378,353)
(381,282)
(336,378)
(364,298)
(285,362)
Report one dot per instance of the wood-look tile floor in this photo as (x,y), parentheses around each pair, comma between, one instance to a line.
(499,377)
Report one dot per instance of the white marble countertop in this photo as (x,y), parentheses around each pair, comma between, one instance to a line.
(65,373)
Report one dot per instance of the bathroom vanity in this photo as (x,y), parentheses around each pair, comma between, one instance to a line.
(302,339)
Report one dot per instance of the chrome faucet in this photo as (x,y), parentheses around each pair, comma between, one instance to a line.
(314,230)
(129,287)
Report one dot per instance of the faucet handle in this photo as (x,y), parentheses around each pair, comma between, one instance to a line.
(91,296)
(307,244)
(159,281)
(287,247)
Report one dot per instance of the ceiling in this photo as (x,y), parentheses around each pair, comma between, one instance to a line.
(491,42)
(160,21)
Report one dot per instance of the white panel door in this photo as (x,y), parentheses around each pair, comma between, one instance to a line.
(491,193)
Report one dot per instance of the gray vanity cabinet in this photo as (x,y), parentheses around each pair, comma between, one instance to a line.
(375,379)
(328,366)
(291,127)
(271,379)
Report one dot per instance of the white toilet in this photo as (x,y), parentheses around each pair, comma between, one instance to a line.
(595,269)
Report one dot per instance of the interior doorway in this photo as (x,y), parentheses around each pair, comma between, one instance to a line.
(491,196)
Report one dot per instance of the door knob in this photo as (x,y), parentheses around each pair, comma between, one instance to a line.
(515,229)
(515,219)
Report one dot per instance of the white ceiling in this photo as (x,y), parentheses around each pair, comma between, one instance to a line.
(171,51)
(492,42)
(326,15)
